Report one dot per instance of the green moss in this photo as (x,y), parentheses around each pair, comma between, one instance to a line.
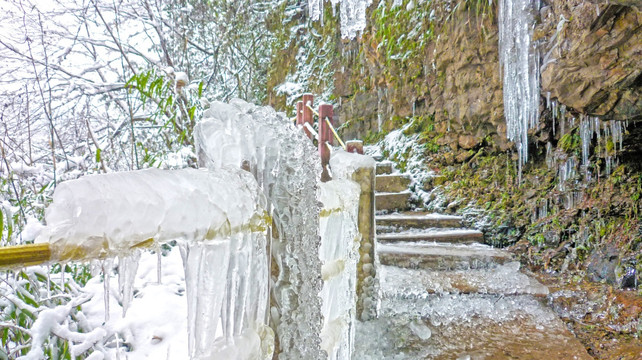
(571,142)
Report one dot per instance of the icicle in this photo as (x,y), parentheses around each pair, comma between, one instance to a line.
(106,265)
(550,160)
(586,134)
(519,60)
(127,267)
(159,265)
(205,293)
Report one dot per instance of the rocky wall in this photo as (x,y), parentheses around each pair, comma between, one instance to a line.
(439,62)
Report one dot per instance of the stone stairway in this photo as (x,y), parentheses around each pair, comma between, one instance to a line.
(446,295)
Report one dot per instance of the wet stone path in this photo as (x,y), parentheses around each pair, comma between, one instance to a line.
(445,295)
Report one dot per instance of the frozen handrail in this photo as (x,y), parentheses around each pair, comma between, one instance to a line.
(100,216)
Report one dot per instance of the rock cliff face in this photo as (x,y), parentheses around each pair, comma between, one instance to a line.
(594,57)
(441,61)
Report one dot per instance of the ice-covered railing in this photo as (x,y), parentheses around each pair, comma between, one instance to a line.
(219,220)
(265,244)
(287,168)
(313,288)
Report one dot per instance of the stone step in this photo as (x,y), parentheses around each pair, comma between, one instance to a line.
(439,256)
(418,220)
(392,201)
(391,183)
(505,280)
(453,236)
(384,167)
(471,327)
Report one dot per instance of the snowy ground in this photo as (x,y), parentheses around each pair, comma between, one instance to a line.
(155,325)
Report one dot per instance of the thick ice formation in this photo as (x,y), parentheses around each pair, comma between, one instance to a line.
(352,12)
(220,221)
(339,254)
(109,214)
(287,168)
(519,61)
(227,296)
(344,164)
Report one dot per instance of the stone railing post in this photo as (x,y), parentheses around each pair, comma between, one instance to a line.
(366,286)
(361,169)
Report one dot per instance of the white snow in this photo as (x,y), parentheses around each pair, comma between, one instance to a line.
(344,164)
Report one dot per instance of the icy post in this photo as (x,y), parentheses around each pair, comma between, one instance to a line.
(287,168)
(361,169)
(519,61)
(339,253)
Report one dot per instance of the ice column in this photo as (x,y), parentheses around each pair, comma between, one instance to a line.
(519,61)
(287,168)
(339,253)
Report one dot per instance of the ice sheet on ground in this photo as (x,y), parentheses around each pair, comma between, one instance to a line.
(429,247)
(436,232)
(504,280)
(401,216)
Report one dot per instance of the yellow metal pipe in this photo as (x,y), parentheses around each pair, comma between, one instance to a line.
(24,255)
(335,133)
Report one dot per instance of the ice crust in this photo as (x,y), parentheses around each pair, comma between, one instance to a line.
(339,253)
(286,166)
(108,214)
(344,164)
(264,244)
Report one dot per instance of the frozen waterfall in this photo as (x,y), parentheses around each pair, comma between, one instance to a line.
(519,62)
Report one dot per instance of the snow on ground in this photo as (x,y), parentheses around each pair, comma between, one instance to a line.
(155,325)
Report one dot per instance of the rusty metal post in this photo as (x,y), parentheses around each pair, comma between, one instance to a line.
(354,146)
(306,115)
(325,139)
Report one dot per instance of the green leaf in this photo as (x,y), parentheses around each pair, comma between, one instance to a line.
(200,89)
(98,151)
